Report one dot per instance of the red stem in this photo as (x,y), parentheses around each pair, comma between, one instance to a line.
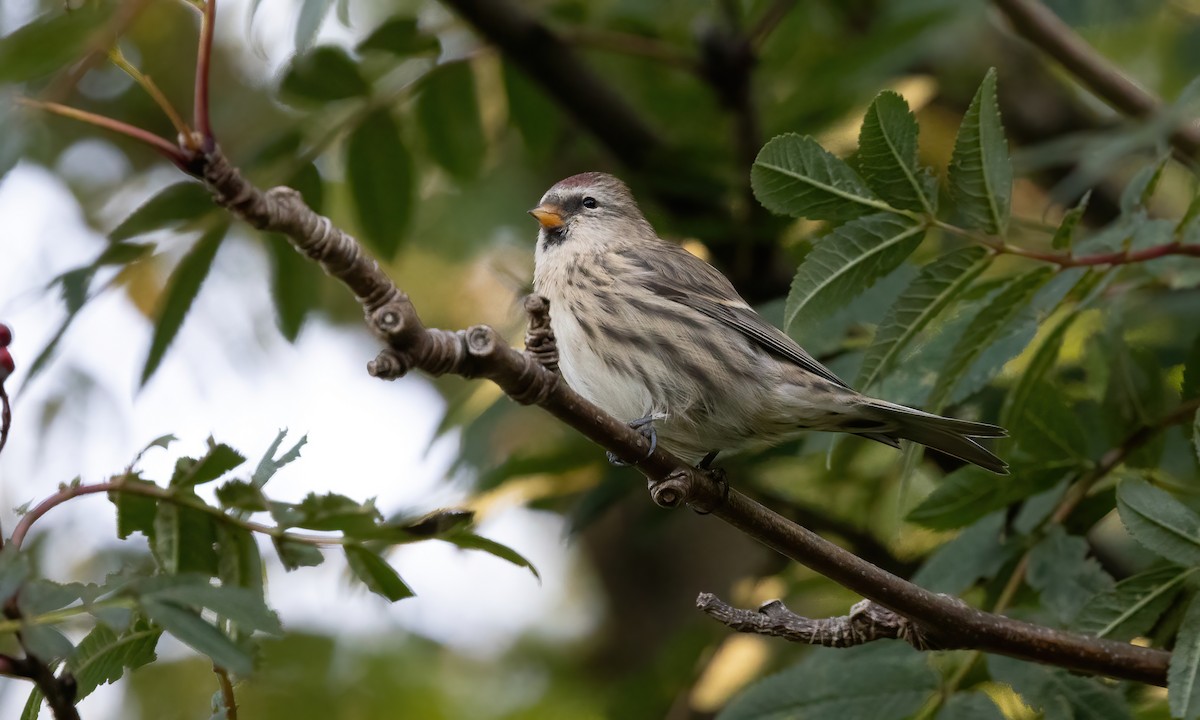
(1121,257)
(171,152)
(64,494)
(5,417)
(203,64)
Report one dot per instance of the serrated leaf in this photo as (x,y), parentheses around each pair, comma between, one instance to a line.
(1059,694)
(887,153)
(239,563)
(380,176)
(312,14)
(45,642)
(1048,428)
(49,42)
(471,541)
(844,264)
(135,513)
(169,208)
(323,74)
(103,656)
(184,538)
(219,460)
(1183,677)
(794,175)
(375,572)
(295,554)
(977,553)
(987,327)
(182,288)
(1159,522)
(399,36)
(33,705)
(192,630)
(242,605)
(939,283)
(1066,229)
(448,113)
(969,493)
(327,512)
(980,170)
(1063,574)
(970,706)
(269,464)
(241,495)
(1133,605)
(1141,187)
(439,522)
(872,682)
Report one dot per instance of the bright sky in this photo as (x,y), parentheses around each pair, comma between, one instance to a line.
(230,374)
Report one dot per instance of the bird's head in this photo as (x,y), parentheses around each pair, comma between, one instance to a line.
(589,211)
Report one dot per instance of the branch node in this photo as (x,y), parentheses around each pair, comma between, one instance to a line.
(539,337)
(672,491)
(389,364)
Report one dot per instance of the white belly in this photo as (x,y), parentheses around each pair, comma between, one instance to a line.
(617,393)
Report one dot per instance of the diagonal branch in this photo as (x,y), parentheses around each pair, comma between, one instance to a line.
(482,352)
(1040,26)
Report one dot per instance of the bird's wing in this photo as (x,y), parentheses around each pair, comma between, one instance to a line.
(673,273)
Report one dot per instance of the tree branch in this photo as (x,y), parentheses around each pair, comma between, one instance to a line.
(1040,26)
(482,352)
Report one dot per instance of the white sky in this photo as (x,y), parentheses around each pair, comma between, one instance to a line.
(230,374)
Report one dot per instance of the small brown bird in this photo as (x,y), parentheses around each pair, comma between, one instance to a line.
(653,334)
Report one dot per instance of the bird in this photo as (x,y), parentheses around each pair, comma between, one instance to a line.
(657,337)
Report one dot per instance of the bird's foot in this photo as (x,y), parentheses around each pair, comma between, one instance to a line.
(645,426)
(718,476)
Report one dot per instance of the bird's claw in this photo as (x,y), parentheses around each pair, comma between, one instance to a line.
(718,476)
(645,426)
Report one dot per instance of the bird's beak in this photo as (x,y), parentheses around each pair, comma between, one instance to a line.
(548,216)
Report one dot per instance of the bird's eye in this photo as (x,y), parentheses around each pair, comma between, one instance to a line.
(590,203)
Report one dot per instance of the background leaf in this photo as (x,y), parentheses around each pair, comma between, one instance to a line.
(379,172)
(1183,678)
(322,74)
(1132,606)
(1159,522)
(448,112)
(375,572)
(170,207)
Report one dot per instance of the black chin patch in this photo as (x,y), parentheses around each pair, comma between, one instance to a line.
(554,236)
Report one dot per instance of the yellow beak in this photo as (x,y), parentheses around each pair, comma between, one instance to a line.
(549,216)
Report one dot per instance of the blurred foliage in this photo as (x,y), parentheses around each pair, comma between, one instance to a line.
(897,267)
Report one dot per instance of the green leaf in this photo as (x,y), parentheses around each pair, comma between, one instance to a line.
(269,464)
(977,553)
(219,460)
(183,539)
(50,42)
(980,170)
(986,329)
(375,572)
(322,74)
(192,630)
(380,175)
(327,512)
(241,495)
(1048,428)
(939,283)
(471,541)
(399,36)
(970,706)
(887,154)
(1066,229)
(1136,195)
(448,113)
(794,175)
(872,682)
(295,554)
(1159,522)
(243,606)
(844,264)
(1063,574)
(169,208)
(135,513)
(1183,677)
(239,563)
(312,14)
(33,705)
(969,493)
(1191,372)
(103,656)
(1058,693)
(295,280)
(182,288)
(1132,606)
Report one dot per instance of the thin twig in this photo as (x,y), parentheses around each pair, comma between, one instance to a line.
(172,152)
(1066,259)
(769,21)
(201,120)
(631,44)
(227,696)
(147,84)
(1040,26)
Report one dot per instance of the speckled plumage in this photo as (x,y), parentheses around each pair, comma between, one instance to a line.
(645,328)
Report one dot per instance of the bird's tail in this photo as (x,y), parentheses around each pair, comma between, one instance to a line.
(949,435)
